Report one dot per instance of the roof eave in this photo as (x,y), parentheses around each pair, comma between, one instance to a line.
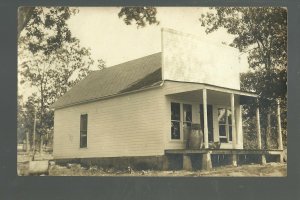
(106,97)
(221,89)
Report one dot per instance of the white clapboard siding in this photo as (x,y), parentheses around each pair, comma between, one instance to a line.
(136,124)
(216,99)
(126,125)
(171,87)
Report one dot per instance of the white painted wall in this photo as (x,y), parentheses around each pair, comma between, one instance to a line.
(215,99)
(137,124)
(190,59)
(127,125)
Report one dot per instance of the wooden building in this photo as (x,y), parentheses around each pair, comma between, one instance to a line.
(141,112)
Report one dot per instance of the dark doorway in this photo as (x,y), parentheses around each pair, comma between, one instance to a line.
(209,121)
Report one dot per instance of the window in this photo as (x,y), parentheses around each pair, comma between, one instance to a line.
(175,121)
(180,123)
(187,120)
(83,130)
(225,125)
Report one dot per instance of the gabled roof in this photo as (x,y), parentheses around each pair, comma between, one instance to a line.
(133,75)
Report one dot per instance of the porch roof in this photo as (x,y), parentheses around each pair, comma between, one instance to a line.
(227,90)
(189,90)
(201,86)
(245,97)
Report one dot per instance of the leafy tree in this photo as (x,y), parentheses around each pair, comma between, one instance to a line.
(20,118)
(24,15)
(50,66)
(26,112)
(100,64)
(52,75)
(140,15)
(261,32)
(46,27)
(52,61)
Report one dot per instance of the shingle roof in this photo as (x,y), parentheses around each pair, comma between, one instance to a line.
(125,77)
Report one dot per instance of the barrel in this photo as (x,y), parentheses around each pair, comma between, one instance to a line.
(195,137)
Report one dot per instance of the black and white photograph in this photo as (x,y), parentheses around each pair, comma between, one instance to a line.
(152,91)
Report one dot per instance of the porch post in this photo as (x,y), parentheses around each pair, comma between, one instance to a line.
(263,156)
(258,128)
(205,118)
(234,156)
(268,133)
(206,157)
(239,125)
(280,145)
(233,122)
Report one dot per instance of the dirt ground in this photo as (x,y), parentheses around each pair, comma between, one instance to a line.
(251,170)
(270,169)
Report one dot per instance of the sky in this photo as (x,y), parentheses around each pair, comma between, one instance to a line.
(110,39)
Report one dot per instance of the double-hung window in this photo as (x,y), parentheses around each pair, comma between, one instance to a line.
(83,130)
(181,120)
(175,121)
(225,125)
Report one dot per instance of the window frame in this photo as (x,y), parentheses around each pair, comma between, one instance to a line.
(226,124)
(180,121)
(83,133)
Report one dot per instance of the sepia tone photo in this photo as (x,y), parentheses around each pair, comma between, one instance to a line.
(152,91)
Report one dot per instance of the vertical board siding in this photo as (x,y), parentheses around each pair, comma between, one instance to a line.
(128,125)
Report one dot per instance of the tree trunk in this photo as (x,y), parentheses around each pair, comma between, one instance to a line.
(24,15)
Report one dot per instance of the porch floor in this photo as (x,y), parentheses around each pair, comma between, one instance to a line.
(234,157)
(225,151)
